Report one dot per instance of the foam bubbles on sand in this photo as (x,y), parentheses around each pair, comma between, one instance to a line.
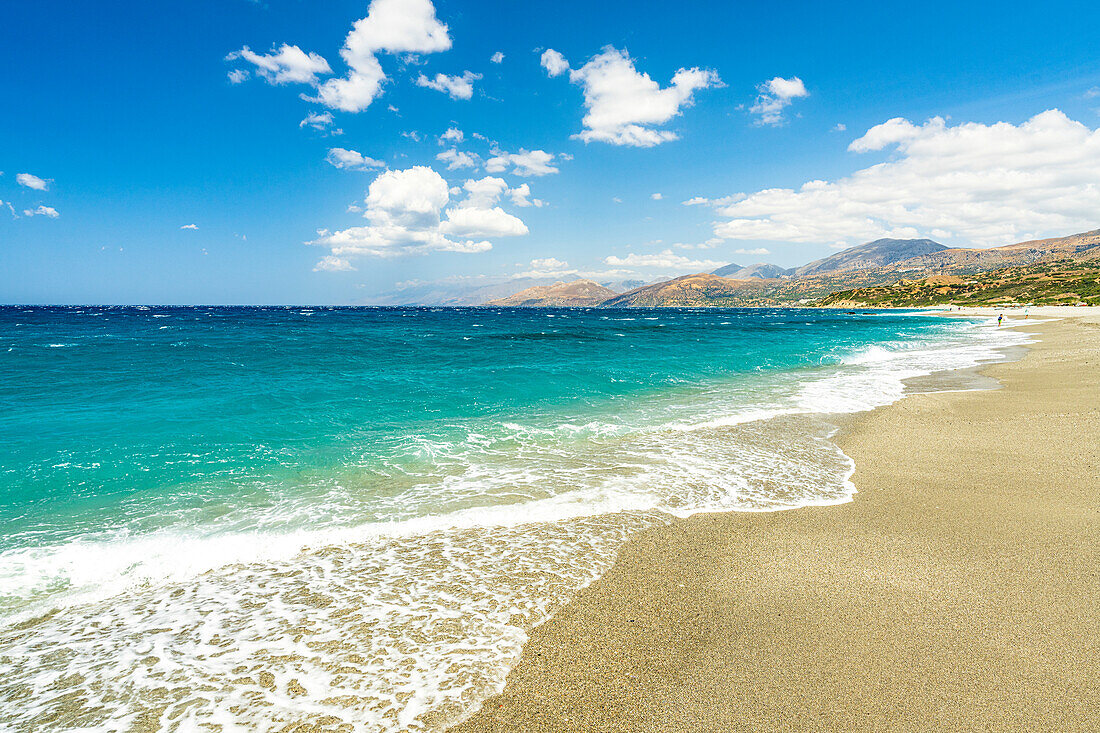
(392,627)
(393,633)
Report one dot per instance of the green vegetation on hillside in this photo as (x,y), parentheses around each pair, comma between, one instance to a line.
(1060,282)
(1059,271)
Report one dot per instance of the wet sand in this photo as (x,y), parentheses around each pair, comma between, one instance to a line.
(959,591)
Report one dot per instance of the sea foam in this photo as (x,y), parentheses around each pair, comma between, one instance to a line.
(404,612)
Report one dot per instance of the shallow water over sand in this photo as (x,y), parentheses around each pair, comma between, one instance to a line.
(351,517)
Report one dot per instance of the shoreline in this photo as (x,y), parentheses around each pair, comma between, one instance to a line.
(957,591)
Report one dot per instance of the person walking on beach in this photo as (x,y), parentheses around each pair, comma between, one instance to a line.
(1000,317)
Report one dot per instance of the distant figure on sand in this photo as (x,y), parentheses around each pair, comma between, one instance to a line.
(1000,318)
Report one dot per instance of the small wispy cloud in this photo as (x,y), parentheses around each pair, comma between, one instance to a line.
(284,65)
(457,87)
(322,122)
(452,136)
(774,96)
(190,226)
(29,180)
(455,159)
(332,263)
(47,211)
(526,163)
(666,259)
(351,160)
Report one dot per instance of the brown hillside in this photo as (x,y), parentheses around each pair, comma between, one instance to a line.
(576,294)
(701,289)
(1075,247)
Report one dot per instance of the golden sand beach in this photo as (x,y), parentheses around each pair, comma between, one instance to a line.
(959,591)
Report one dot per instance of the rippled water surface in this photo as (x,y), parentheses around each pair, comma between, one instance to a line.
(226,517)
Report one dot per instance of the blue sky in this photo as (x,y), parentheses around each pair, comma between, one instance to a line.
(975,125)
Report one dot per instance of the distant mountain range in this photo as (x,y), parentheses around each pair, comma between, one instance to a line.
(689,290)
(878,253)
(475,292)
(758,271)
(576,294)
(1075,247)
(857,274)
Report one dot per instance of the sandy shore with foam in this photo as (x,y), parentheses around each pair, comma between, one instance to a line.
(959,591)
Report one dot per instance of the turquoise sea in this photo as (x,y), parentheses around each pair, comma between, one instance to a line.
(248,518)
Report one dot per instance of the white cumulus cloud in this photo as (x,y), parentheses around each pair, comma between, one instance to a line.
(774,96)
(982,184)
(32,181)
(554,63)
(398,26)
(356,91)
(891,132)
(332,263)
(391,26)
(482,192)
(285,65)
(190,226)
(709,244)
(625,107)
(525,163)
(544,267)
(351,159)
(320,121)
(478,214)
(465,221)
(457,87)
(47,211)
(549,263)
(456,159)
(521,196)
(410,212)
(452,135)
(666,260)
(497,57)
